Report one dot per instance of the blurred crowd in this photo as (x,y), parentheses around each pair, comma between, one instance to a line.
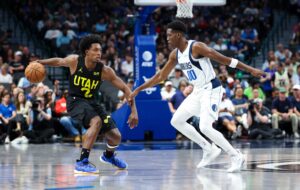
(37,113)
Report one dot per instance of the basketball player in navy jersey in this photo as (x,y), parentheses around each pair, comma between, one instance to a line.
(86,75)
(194,59)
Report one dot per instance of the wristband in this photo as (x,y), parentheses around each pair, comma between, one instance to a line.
(233,63)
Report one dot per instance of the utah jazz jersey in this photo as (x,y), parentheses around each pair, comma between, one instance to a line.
(85,83)
(198,71)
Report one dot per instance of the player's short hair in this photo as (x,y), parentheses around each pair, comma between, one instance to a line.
(87,41)
(178,26)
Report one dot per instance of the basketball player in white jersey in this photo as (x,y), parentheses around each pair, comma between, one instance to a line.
(194,59)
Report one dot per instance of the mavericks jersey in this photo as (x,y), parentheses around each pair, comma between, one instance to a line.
(85,83)
(198,71)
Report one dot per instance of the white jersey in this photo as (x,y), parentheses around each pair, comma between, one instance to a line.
(198,71)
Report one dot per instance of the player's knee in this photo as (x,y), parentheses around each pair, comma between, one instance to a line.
(96,122)
(205,126)
(114,137)
(118,137)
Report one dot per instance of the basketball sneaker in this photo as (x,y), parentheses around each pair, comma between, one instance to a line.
(237,162)
(208,157)
(113,160)
(85,167)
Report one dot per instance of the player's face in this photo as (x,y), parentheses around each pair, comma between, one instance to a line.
(94,53)
(172,38)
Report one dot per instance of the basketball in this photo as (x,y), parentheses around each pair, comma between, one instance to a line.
(35,72)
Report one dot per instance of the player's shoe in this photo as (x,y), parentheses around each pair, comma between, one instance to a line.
(208,157)
(85,167)
(117,162)
(237,162)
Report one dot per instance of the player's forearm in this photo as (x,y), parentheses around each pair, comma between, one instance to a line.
(244,67)
(127,93)
(55,62)
(151,82)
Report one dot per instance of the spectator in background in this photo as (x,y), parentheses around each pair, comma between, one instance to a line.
(40,120)
(229,87)
(5,77)
(179,96)
(21,121)
(282,110)
(236,48)
(160,61)
(63,42)
(219,45)
(127,66)
(178,77)
(269,99)
(1,59)
(241,107)
(250,35)
(254,85)
(281,78)
(296,101)
(17,68)
(226,117)
(167,91)
(25,55)
(296,77)
(267,80)
(49,98)
(271,57)
(255,94)
(295,41)
(259,119)
(7,114)
(282,54)
(33,91)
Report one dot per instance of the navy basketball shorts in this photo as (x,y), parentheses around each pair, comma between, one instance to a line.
(83,110)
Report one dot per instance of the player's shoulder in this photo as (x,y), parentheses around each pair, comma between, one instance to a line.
(173,54)
(108,73)
(198,44)
(72,58)
(107,69)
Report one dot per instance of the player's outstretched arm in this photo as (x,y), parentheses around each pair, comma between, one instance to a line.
(109,75)
(59,62)
(201,49)
(159,76)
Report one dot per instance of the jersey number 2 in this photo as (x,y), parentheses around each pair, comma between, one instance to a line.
(191,75)
(87,92)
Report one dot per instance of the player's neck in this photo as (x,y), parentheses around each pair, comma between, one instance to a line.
(182,45)
(89,64)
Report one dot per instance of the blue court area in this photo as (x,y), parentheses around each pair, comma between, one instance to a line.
(152,165)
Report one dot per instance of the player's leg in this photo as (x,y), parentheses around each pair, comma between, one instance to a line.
(179,121)
(188,108)
(83,165)
(113,138)
(209,111)
(82,112)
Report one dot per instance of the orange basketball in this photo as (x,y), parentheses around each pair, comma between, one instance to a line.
(35,72)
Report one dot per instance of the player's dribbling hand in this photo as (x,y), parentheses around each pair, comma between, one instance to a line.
(257,73)
(133,120)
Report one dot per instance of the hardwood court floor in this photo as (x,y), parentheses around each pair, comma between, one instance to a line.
(152,165)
